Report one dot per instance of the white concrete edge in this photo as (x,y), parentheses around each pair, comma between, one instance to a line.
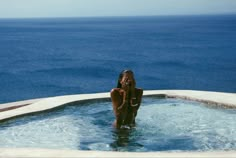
(49,103)
(53,102)
(227,99)
(16,104)
(46,153)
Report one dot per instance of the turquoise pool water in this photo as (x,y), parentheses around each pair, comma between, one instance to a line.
(162,125)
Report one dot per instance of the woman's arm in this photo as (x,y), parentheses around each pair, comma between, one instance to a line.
(117,102)
(132,112)
(139,95)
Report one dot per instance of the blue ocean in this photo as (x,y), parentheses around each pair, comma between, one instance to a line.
(63,56)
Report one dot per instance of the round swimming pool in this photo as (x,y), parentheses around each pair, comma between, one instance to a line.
(162,125)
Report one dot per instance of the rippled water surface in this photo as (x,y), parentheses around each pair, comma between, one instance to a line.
(162,125)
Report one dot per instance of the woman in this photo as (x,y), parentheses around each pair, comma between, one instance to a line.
(126,99)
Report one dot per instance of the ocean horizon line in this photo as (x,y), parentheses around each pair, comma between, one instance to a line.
(119,16)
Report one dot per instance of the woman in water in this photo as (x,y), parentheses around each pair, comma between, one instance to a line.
(126,99)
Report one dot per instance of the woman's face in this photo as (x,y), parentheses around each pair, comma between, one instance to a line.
(127,79)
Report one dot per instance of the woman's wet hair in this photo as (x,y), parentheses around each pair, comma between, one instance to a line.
(121,75)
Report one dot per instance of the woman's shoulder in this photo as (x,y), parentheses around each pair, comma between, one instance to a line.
(139,91)
(119,90)
(116,91)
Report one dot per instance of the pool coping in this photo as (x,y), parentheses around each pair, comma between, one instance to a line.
(46,153)
(17,109)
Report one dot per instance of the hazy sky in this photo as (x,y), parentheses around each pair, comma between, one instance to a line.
(78,8)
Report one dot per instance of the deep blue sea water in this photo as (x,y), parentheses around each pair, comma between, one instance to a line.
(60,56)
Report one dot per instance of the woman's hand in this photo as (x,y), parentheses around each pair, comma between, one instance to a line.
(129,87)
(126,84)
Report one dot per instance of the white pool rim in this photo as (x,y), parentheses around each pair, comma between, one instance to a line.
(17,109)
